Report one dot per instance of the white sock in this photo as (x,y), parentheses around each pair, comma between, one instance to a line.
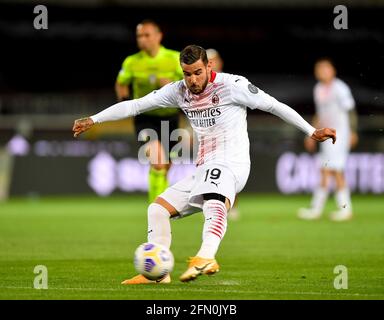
(159,226)
(319,198)
(343,199)
(215,225)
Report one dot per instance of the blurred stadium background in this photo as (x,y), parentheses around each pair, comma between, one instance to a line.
(50,77)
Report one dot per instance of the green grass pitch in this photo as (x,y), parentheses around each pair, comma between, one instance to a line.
(87,244)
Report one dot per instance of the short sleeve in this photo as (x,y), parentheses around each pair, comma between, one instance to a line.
(124,76)
(344,96)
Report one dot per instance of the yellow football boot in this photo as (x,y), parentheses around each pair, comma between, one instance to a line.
(140,279)
(198,266)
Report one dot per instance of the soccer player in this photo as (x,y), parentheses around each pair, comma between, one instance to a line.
(216,106)
(334,107)
(216,60)
(150,69)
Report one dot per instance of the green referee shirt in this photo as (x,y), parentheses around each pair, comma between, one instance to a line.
(143,71)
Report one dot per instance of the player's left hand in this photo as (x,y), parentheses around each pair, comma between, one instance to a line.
(324,134)
(81,125)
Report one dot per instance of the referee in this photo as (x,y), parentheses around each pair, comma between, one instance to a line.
(149,69)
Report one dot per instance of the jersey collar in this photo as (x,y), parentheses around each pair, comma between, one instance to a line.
(160,52)
(213,76)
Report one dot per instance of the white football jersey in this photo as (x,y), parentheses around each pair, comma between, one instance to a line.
(333,102)
(217,115)
(219,123)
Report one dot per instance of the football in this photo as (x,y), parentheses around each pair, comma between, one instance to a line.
(153,260)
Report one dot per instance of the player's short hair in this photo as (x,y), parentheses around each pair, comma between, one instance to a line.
(193,53)
(326,59)
(212,53)
(152,22)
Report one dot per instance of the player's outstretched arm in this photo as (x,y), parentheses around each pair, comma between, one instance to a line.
(309,143)
(324,134)
(162,98)
(81,125)
(245,93)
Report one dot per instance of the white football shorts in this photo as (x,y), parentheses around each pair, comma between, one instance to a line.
(186,196)
(334,156)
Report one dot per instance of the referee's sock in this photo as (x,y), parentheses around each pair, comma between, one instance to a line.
(157,183)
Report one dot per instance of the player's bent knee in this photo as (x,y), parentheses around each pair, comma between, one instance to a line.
(155,210)
(219,197)
(166,205)
(213,196)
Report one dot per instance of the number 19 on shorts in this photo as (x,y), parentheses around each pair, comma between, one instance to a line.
(212,174)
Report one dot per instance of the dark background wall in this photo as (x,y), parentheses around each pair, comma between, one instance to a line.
(84,46)
(50,77)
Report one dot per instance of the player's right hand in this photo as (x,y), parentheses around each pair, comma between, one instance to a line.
(81,125)
(324,134)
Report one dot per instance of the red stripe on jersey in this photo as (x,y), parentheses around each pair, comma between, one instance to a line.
(213,76)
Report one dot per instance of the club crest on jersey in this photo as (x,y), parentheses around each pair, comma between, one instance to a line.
(215,99)
(252,88)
